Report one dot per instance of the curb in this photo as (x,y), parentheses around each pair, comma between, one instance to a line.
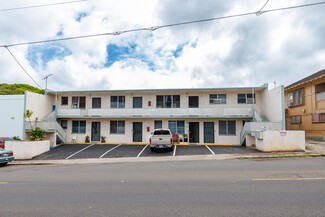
(163,159)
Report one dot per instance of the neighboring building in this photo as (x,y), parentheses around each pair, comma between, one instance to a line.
(305,105)
(12,108)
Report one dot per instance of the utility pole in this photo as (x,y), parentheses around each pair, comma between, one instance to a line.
(45,78)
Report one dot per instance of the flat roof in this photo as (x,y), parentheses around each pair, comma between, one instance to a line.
(221,89)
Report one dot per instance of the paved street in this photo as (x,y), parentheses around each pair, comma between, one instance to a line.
(69,151)
(275,187)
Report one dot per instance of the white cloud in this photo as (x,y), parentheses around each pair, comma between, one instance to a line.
(246,51)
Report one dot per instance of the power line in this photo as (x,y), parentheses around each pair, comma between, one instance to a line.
(22,67)
(153,28)
(259,12)
(38,6)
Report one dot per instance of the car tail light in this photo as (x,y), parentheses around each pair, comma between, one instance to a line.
(2,146)
(171,141)
(150,141)
(0,155)
(11,153)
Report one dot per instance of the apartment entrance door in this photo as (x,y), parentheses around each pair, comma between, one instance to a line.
(137,131)
(194,132)
(95,131)
(208,132)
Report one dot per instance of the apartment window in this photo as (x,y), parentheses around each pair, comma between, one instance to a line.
(168,101)
(319,118)
(227,127)
(64,124)
(295,119)
(218,98)
(117,127)
(176,127)
(96,102)
(64,100)
(137,102)
(320,91)
(295,98)
(79,102)
(117,101)
(246,98)
(158,124)
(79,127)
(193,101)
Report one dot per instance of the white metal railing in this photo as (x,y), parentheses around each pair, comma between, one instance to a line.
(158,112)
(258,126)
(53,126)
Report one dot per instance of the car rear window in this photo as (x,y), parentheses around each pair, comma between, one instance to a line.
(161,132)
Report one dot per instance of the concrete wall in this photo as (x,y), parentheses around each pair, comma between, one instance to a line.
(12,109)
(273,105)
(281,141)
(24,150)
(40,105)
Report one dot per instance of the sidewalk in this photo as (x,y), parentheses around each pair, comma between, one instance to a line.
(313,149)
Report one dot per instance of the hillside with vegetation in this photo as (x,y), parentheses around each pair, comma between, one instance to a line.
(18,89)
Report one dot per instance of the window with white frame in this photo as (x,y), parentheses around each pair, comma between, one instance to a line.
(79,127)
(227,127)
(117,101)
(295,98)
(319,118)
(168,101)
(246,98)
(158,124)
(296,119)
(96,102)
(64,124)
(218,98)
(78,102)
(64,100)
(177,127)
(117,127)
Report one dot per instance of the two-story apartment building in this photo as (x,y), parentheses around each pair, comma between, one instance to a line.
(305,105)
(206,115)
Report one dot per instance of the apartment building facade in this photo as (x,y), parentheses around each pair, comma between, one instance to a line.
(305,105)
(208,115)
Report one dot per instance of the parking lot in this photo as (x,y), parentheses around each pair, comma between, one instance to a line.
(78,151)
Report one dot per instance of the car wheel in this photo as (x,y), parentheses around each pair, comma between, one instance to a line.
(152,149)
(171,148)
(3,164)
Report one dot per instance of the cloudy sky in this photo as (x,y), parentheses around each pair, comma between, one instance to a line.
(282,46)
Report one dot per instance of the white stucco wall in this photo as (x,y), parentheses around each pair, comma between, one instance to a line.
(273,105)
(12,115)
(24,150)
(281,141)
(40,105)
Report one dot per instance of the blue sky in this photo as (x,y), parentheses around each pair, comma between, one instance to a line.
(283,46)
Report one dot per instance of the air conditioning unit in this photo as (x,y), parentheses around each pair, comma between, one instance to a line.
(217,101)
(249,100)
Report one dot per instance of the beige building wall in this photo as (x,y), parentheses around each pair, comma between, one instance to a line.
(40,105)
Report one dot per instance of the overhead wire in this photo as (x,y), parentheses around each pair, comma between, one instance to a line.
(259,12)
(153,28)
(38,6)
(21,66)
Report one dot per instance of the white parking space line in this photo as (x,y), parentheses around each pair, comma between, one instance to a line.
(142,150)
(80,151)
(175,150)
(210,150)
(110,150)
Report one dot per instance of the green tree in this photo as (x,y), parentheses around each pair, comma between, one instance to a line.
(36,133)
(18,89)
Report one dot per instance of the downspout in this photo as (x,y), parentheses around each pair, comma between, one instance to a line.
(253,107)
(283,123)
(24,121)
